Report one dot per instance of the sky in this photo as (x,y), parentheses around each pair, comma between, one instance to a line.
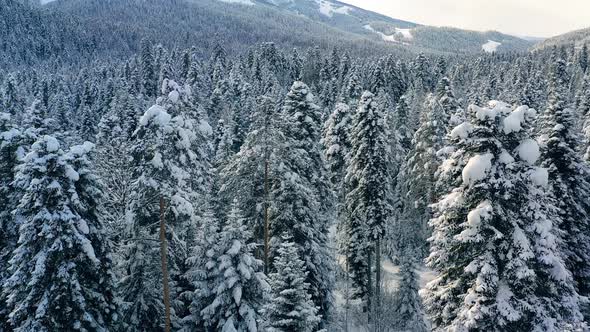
(533,18)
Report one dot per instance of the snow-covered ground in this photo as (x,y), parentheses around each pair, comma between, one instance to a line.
(389,38)
(406,33)
(328,8)
(242,2)
(491,46)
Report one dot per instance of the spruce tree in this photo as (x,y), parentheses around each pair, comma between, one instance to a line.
(300,195)
(368,203)
(495,245)
(569,177)
(290,307)
(239,287)
(10,155)
(61,277)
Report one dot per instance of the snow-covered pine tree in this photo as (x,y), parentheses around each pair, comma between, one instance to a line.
(336,143)
(247,175)
(417,180)
(290,307)
(61,270)
(300,195)
(495,246)
(10,156)
(569,177)
(170,177)
(367,184)
(202,264)
(239,287)
(409,310)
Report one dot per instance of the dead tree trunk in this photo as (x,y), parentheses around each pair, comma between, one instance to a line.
(164,260)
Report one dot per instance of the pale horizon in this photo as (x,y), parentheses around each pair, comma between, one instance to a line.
(525,18)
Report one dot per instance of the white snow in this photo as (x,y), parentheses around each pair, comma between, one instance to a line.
(173,96)
(157,161)
(406,33)
(462,131)
(389,38)
(72,174)
(491,46)
(514,121)
(328,8)
(540,176)
(241,2)
(474,220)
(506,158)
(82,149)
(52,143)
(83,226)
(477,168)
(528,150)
(205,128)
(158,114)
(483,114)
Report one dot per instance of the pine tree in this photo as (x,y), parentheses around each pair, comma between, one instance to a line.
(569,177)
(170,179)
(336,143)
(10,155)
(149,78)
(200,275)
(368,183)
(61,276)
(300,195)
(408,304)
(290,307)
(495,246)
(239,286)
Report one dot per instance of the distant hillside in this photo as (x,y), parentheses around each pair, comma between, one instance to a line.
(577,37)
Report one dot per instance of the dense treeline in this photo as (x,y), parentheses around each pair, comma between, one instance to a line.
(270,191)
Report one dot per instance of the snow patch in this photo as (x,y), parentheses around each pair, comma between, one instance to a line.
(52,143)
(388,38)
(158,114)
(406,33)
(540,176)
(241,2)
(462,131)
(528,150)
(329,9)
(491,46)
(477,168)
(513,122)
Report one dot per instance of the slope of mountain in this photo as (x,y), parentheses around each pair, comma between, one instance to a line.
(414,36)
(65,31)
(577,37)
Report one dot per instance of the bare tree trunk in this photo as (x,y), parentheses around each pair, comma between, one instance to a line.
(347,305)
(369,289)
(377,283)
(266,222)
(164,259)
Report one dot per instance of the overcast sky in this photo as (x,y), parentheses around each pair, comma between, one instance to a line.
(538,18)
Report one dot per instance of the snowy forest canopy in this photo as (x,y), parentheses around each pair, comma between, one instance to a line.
(295,190)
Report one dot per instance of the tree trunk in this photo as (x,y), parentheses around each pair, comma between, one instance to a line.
(377,315)
(266,222)
(369,289)
(164,259)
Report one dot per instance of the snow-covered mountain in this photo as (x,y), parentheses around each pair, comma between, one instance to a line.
(577,37)
(292,23)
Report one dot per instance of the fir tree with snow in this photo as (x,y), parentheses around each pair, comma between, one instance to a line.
(410,315)
(290,307)
(239,287)
(495,245)
(368,202)
(569,177)
(61,277)
(300,194)
(11,153)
